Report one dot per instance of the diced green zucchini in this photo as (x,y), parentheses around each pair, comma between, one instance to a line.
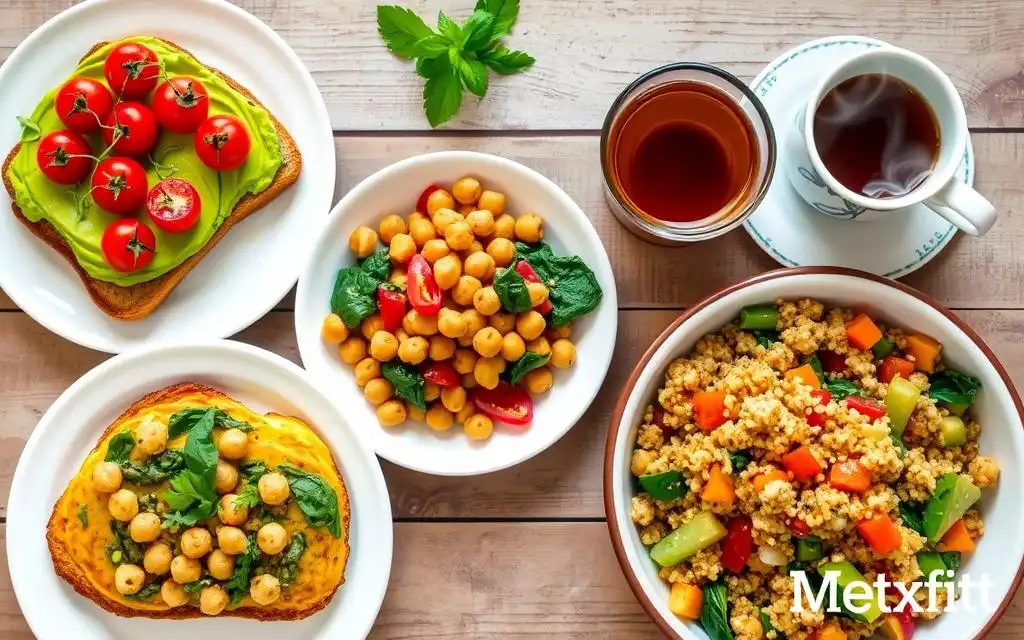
(953,432)
(957,409)
(759,318)
(900,400)
(809,549)
(883,348)
(954,495)
(667,485)
(699,533)
(848,574)
(930,562)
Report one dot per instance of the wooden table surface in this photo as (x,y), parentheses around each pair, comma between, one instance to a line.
(526,551)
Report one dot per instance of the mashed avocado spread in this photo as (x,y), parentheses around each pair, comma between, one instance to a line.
(40,199)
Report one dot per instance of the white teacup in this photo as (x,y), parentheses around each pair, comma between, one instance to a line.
(940,191)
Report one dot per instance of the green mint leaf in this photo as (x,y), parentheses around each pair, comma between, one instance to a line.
(442,95)
(474,76)
(478,31)
(505,13)
(431,67)
(401,29)
(449,29)
(432,46)
(29,129)
(507,61)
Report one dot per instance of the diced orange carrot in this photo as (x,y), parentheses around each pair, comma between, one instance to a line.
(881,533)
(802,463)
(806,374)
(924,350)
(862,332)
(685,600)
(828,633)
(719,488)
(709,409)
(850,475)
(762,480)
(958,538)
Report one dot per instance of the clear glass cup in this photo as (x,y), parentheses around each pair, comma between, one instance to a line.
(731,215)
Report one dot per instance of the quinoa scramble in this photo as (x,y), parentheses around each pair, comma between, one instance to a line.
(804,438)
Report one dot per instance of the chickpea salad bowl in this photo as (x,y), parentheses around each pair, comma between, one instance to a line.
(462,308)
(809,422)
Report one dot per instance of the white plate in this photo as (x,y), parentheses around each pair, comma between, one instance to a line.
(395,190)
(254,265)
(789,230)
(264,382)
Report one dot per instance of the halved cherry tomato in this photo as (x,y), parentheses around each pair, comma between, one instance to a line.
(131,70)
(421,202)
(443,374)
(135,127)
(174,205)
(181,104)
(869,407)
(814,418)
(831,361)
(893,366)
(524,269)
(128,245)
(738,544)
(83,104)
(505,403)
(392,307)
(799,528)
(424,294)
(222,142)
(120,185)
(64,157)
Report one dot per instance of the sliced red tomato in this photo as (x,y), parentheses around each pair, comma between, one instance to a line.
(799,528)
(392,307)
(443,374)
(869,407)
(421,202)
(524,269)
(424,294)
(814,418)
(174,205)
(738,544)
(832,362)
(505,403)
(893,366)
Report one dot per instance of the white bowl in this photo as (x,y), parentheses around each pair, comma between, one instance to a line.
(395,190)
(999,554)
(264,382)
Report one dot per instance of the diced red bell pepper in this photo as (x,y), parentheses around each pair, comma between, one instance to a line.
(421,202)
(392,308)
(442,373)
(832,362)
(799,528)
(524,269)
(505,403)
(869,407)
(814,418)
(881,534)
(738,544)
(424,294)
(893,366)
(850,475)
(802,463)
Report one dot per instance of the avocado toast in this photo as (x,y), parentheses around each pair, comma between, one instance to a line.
(58,220)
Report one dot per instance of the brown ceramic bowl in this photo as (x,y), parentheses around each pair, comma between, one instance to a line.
(1000,553)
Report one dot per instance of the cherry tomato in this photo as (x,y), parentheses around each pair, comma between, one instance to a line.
(799,528)
(505,403)
(421,202)
(893,366)
(120,185)
(814,418)
(869,407)
(392,307)
(64,157)
(128,245)
(131,70)
(424,294)
(738,544)
(82,104)
(135,127)
(222,143)
(443,374)
(524,269)
(181,104)
(832,362)
(174,205)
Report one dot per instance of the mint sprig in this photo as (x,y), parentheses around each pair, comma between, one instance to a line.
(455,57)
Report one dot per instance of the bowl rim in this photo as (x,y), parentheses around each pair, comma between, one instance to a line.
(611,516)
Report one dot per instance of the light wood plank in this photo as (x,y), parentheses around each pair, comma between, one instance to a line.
(587,51)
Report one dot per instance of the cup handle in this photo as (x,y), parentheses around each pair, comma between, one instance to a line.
(964,207)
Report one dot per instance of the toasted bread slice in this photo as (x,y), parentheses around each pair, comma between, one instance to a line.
(140,300)
(91,575)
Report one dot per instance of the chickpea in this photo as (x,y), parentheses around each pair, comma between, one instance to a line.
(352,350)
(505,227)
(106,476)
(230,512)
(273,488)
(453,399)
(422,232)
(475,321)
(378,391)
(231,540)
(538,293)
(151,437)
(447,271)
(481,223)
(512,346)
(402,335)
(157,559)
(502,251)
(392,413)
(233,444)
(196,542)
(367,369)
(487,371)
(129,578)
(465,412)
(173,593)
(415,413)
(220,565)
(434,250)
(530,325)
(123,505)
(478,427)
(530,228)
(144,527)
(439,199)
(469,381)
(185,570)
(445,217)
(459,236)
(431,392)
(438,418)
(271,538)
(265,589)
(487,342)
(466,190)
(560,333)
(402,248)
(465,289)
(225,478)
(363,241)
(414,216)
(333,330)
(391,226)
(371,325)
(383,346)
(467,209)
(493,201)
(539,380)
(465,360)
(414,350)
(441,348)
(416,324)
(480,265)
(213,600)
(503,322)
(539,346)
(563,354)
(451,323)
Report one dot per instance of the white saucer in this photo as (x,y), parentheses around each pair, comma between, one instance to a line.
(790,231)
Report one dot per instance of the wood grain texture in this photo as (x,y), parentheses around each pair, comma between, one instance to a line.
(588,50)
